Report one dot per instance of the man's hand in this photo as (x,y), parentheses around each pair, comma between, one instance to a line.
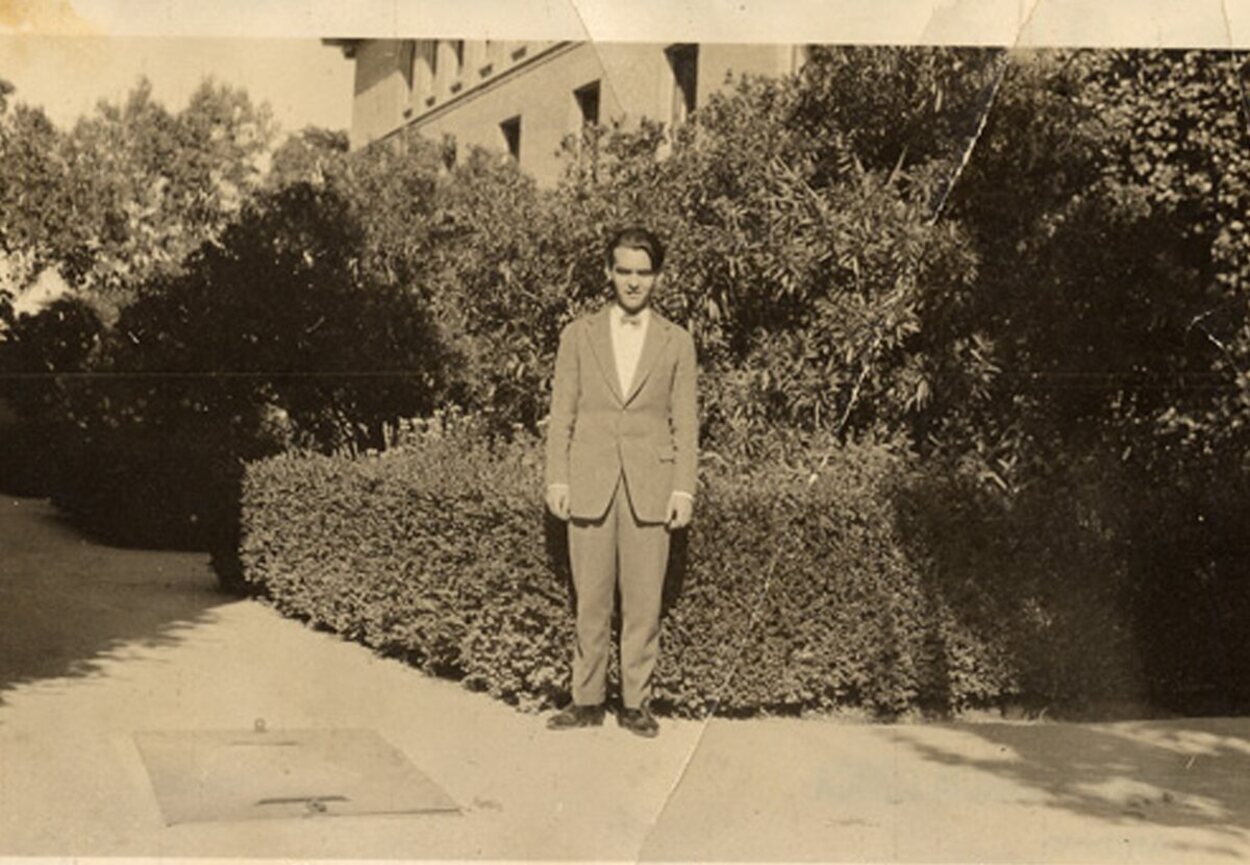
(680,510)
(558,501)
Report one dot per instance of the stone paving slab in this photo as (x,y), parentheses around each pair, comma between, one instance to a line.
(261,774)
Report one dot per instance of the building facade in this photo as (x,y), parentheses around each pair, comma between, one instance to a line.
(524,98)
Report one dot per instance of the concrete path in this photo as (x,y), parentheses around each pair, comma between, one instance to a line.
(98,643)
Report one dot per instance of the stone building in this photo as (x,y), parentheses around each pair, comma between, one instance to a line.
(524,98)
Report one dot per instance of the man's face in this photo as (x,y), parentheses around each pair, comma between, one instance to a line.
(632,278)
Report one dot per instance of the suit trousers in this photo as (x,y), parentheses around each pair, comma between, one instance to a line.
(617,549)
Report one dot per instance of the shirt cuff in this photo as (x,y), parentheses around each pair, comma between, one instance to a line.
(557,486)
(684,493)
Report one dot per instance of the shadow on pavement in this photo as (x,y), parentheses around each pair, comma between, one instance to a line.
(1178,773)
(68,603)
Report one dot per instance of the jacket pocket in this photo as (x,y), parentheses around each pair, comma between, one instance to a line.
(665,453)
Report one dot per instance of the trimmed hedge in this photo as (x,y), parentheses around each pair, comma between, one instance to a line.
(794,595)
(435,554)
(147,489)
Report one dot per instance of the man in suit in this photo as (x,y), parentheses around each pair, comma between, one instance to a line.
(621,468)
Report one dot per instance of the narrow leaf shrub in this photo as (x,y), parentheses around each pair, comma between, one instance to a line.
(795,591)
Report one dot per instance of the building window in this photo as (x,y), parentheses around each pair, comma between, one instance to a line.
(408,63)
(431,56)
(489,51)
(684,61)
(511,130)
(588,103)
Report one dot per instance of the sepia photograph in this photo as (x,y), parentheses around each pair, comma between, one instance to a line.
(702,431)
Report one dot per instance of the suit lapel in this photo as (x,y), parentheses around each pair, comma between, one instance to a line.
(658,332)
(601,347)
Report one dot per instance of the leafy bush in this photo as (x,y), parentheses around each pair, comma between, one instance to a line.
(270,337)
(1043,574)
(805,262)
(421,552)
(153,488)
(280,312)
(799,590)
(1186,545)
(42,357)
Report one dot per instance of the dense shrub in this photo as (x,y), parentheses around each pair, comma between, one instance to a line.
(799,590)
(269,337)
(42,357)
(423,552)
(1042,573)
(1187,547)
(281,312)
(805,272)
(152,488)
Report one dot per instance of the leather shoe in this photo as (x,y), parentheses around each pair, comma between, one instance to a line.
(574,716)
(639,722)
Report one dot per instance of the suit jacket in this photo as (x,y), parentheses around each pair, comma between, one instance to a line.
(596,433)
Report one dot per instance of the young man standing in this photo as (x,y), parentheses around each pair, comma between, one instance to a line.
(621,468)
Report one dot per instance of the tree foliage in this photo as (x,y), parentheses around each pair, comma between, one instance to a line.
(150,186)
(36,211)
(131,189)
(1108,196)
(805,261)
(280,312)
(306,156)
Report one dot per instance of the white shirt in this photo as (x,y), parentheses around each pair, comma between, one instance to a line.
(627,340)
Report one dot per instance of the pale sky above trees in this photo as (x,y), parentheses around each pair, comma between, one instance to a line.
(303,81)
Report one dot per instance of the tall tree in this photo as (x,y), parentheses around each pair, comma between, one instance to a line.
(307,156)
(1107,198)
(36,214)
(149,186)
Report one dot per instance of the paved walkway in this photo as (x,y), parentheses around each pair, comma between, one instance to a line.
(97,643)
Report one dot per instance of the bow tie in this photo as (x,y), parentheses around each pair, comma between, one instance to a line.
(631,321)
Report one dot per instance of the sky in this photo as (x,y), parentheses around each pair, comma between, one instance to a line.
(303,81)
(65,55)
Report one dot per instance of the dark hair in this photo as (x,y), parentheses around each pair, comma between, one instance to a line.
(636,237)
